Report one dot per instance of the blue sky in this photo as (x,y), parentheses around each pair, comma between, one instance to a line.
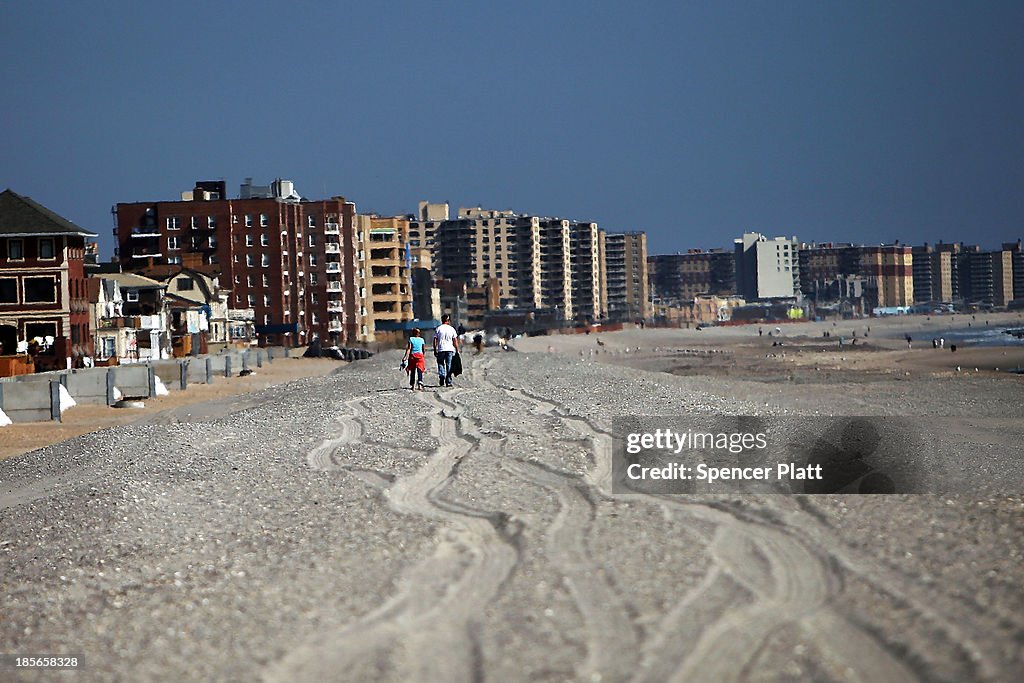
(861,121)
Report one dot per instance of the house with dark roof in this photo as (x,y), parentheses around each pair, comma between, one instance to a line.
(44,300)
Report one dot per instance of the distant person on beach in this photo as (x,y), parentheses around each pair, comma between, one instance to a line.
(417,363)
(942,342)
(909,341)
(478,343)
(446,343)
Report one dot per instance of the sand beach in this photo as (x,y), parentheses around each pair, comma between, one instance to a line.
(342,527)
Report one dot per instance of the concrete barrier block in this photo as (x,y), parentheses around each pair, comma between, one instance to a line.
(88,386)
(30,401)
(170,373)
(196,371)
(133,381)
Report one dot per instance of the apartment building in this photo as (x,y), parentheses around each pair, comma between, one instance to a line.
(384,278)
(677,279)
(43,293)
(1016,250)
(556,286)
(890,274)
(424,223)
(590,301)
(290,260)
(480,245)
(986,277)
(883,275)
(626,278)
(766,268)
(933,269)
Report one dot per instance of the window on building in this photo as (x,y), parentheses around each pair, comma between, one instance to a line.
(248,220)
(15,250)
(264,220)
(173,242)
(312,260)
(265,260)
(266,319)
(173,223)
(193,221)
(185,284)
(266,300)
(312,278)
(266,280)
(265,240)
(174,260)
(251,300)
(249,241)
(249,260)
(40,290)
(314,298)
(8,291)
(238,279)
(212,241)
(131,295)
(248,281)
(312,240)
(211,221)
(311,221)
(46,249)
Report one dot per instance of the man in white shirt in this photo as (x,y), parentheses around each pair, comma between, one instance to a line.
(446,344)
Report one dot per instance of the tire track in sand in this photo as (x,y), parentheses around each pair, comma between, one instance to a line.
(611,639)
(425,630)
(787,581)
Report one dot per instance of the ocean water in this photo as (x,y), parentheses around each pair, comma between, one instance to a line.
(977,335)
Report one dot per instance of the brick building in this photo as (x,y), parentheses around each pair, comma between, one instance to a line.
(43,291)
(291,260)
(679,278)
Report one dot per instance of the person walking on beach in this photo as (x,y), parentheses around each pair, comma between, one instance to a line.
(417,364)
(446,343)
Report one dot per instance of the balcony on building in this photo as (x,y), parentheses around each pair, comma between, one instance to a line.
(334,286)
(334,326)
(333,267)
(335,307)
(145,231)
(332,247)
(143,252)
(332,229)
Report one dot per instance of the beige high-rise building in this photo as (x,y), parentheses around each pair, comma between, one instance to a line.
(626,264)
(890,269)
(540,262)
(587,296)
(556,284)
(481,245)
(383,273)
